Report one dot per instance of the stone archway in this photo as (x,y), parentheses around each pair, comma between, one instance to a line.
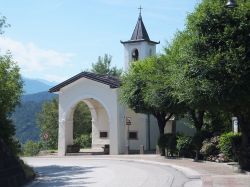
(100,124)
(101,94)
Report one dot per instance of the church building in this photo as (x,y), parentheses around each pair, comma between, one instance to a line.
(112,123)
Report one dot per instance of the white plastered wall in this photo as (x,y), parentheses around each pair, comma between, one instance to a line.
(93,92)
(100,124)
(138,124)
(144,48)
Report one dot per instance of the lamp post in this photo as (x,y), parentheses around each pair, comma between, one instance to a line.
(231,4)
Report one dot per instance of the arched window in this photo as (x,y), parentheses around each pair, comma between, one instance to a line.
(135,55)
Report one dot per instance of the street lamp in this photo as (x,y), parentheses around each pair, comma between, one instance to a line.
(231,4)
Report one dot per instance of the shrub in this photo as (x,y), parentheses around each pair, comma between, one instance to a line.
(171,143)
(28,171)
(184,146)
(210,148)
(84,141)
(229,144)
(197,140)
(31,148)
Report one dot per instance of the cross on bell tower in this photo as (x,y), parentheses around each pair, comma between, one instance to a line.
(140,8)
(139,46)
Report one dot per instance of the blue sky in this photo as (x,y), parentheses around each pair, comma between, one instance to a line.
(56,39)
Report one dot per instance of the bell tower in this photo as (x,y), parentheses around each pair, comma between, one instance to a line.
(139,46)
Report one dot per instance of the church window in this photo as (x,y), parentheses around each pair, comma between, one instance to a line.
(103,134)
(135,55)
(133,135)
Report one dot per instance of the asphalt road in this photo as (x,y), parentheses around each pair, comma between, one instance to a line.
(79,172)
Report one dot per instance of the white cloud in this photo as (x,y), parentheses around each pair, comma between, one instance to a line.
(34,60)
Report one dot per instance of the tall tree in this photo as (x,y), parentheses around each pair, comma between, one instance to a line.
(145,89)
(103,67)
(82,120)
(215,63)
(184,87)
(47,121)
(10,93)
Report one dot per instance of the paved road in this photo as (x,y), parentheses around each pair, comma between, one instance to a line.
(79,172)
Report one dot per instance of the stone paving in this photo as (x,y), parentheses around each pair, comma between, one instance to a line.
(212,174)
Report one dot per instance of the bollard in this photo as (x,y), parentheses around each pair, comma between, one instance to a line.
(126,149)
(141,149)
(157,150)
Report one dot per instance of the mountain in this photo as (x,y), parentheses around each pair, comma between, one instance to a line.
(32,86)
(47,82)
(24,117)
(37,97)
(25,114)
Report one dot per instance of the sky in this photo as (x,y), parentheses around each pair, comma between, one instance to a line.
(56,39)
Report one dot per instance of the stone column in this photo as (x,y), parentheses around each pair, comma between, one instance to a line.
(61,137)
(114,139)
(69,132)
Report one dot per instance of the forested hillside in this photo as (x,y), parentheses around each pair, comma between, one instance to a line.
(24,116)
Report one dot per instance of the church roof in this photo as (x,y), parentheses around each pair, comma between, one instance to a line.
(111,81)
(140,33)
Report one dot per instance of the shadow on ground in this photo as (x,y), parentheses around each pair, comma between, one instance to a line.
(61,176)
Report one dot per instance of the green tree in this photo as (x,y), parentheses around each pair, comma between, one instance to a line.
(145,89)
(215,64)
(103,67)
(82,120)
(10,93)
(31,148)
(47,121)
(183,87)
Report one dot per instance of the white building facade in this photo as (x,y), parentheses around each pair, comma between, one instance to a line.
(109,117)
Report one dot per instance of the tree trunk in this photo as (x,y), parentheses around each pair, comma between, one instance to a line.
(198,118)
(162,119)
(161,125)
(244,154)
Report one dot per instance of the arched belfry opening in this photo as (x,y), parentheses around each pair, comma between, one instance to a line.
(135,55)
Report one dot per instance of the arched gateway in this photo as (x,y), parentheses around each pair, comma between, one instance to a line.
(100,93)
